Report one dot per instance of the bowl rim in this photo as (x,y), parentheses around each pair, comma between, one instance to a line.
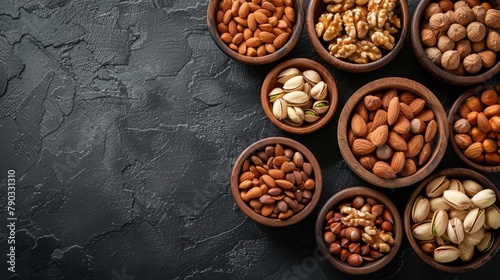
(327,78)
(346,194)
(432,102)
(418,49)
(451,115)
(349,66)
(285,142)
(455,173)
(278,54)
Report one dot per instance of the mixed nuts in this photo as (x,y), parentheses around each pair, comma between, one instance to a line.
(455,219)
(300,97)
(277,182)
(359,230)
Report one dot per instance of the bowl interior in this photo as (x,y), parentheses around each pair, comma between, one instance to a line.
(345,196)
(286,143)
(302,64)
(456,266)
(453,113)
(212,8)
(401,84)
(318,7)
(436,70)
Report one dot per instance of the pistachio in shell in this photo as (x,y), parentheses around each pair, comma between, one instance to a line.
(439,223)
(455,230)
(295,114)
(461,214)
(321,106)
(422,231)
(486,243)
(437,186)
(438,203)
(276,94)
(294,84)
(420,209)
(492,219)
(473,238)
(474,220)
(310,115)
(296,98)
(280,109)
(287,74)
(446,254)
(319,91)
(312,77)
(456,185)
(484,198)
(471,187)
(466,251)
(443,239)
(456,199)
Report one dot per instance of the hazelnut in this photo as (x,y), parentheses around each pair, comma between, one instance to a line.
(457,32)
(450,60)
(488,57)
(444,43)
(486,5)
(440,22)
(476,31)
(464,15)
(479,13)
(492,18)
(463,140)
(472,117)
(428,37)
(451,16)
(445,5)
(493,40)
(473,63)
(489,97)
(462,126)
(473,3)
(352,233)
(474,103)
(354,260)
(431,9)
(479,46)
(434,54)
(463,47)
(459,4)
(459,71)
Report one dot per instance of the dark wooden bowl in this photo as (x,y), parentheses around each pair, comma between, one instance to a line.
(401,84)
(453,115)
(435,70)
(347,195)
(261,144)
(456,266)
(302,64)
(318,7)
(292,41)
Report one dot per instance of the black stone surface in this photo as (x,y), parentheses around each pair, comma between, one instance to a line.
(122,120)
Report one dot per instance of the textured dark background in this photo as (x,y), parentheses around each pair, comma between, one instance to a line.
(122,120)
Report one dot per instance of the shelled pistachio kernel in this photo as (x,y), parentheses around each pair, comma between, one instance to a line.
(299,97)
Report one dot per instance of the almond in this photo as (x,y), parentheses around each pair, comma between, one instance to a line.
(388,95)
(358,125)
(379,135)
(265,12)
(425,153)
(425,115)
(430,131)
(368,161)
(414,146)
(254,192)
(281,40)
(232,27)
(268,6)
(362,111)
(235,8)
(372,103)
(474,150)
(362,147)
(483,123)
(398,161)
(252,23)
(276,174)
(495,123)
(393,110)
(493,110)
(253,42)
(245,184)
(396,142)
(267,37)
(383,170)
(290,14)
(492,158)
(284,184)
(267,27)
(267,210)
(244,10)
(246,176)
(406,111)
(402,125)
(409,169)
(417,105)
(407,97)
(463,141)
(261,51)
(260,17)
(379,119)
(226,38)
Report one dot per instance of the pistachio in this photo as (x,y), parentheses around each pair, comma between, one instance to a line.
(420,209)
(474,220)
(486,243)
(437,186)
(312,77)
(276,94)
(439,222)
(461,214)
(446,253)
(287,74)
(294,84)
(310,115)
(456,185)
(280,109)
(473,238)
(438,203)
(484,198)
(295,114)
(456,199)
(492,219)
(471,187)
(319,91)
(422,231)
(296,98)
(443,239)
(466,251)
(321,106)
(455,230)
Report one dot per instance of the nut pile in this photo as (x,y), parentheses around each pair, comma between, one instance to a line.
(300,97)
(477,128)
(392,133)
(455,219)
(359,230)
(357,29)
(461,37)
(257,27)
(277,182)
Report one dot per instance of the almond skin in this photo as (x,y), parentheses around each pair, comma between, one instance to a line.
(483,123)
(379,135)
(379,119)
(393,110)
(425,153)
(417,105)
(415,146)
(358,125)
(474,150)
(430,131)
(383,170)
(398,161)
(397,142)
(362,147)
(402,125)
(409,169)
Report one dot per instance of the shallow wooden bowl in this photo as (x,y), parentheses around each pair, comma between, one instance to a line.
(302,64)
(456,266)
(318,7)
(213,6)
(435,70)
(453,115)
(347,195)
(286,143)
(401,84)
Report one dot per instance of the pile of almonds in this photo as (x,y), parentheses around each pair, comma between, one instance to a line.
(477,128)
(359,230)
(392,133)
(455,219)
(257,27)
(462,37)
(277,182)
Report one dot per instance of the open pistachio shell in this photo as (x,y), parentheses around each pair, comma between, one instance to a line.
(295,114)
(457,200)
(492,217)
(473,238)
(422,231)
(446,253)
(287,74)
(310,115)
(280,109)
(296,98)
(439,223)
(437,186)
(438,203)
(474,220)
(321,106)
(312,77)
(307,89)
(455,230)
(484,198)
(319,91)
(471,187)
(456,185)
(466,251)
(486,243)
(294,84)
(275,94)
(420,209)
(443,239)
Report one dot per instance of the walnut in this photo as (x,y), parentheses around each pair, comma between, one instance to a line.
(463,47)
(348,20)
(450,60)
(383,39)
(464,15)
(457,32)
(473,63)
(360,21)
(476,31)
(343,47)
(365,52)
(431,9)
(445,5)
(428,37)
(356,217)
(459,4)
(329,26)
(440,22)
(489,58)
(444,43)
(339,6)
(493,41)
(479,13)
(434,54)
(378,239)
(492,18)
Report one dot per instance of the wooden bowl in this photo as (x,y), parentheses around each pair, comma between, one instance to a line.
(285,143)
(401,84)
(270,82)
(318,7)
(454,115)
(435,70)
(347,195)
(256,60)
(457,266)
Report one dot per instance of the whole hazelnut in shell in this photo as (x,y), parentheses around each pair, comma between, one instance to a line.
(476,31)
(479,13)
(428,37)
(440,22)
(457,32)
(464,48)
(473,63)
(492,18)
(450,60)
(434,54)
(488,57)
(444,43)
(464,15)
(493,41)
(431,9)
